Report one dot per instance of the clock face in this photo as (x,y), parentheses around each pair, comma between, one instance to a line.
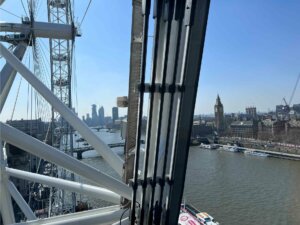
(218,109)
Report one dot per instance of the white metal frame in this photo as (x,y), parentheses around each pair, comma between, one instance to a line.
(112,158)
(8,74)
(115,188)
(104,216)
(21,140)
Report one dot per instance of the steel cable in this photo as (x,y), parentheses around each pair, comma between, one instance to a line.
(85,12)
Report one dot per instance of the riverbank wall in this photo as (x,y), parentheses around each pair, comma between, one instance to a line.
(262,145)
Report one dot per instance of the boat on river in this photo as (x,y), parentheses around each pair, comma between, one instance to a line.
(260,154)
(209,146)
(191,216)
(231,148)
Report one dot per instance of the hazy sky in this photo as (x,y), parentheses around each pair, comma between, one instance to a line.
(251,55)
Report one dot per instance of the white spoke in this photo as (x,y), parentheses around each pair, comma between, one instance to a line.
(90,190)
(8,73)
(36,147)
(100,216)
(6,208)
(20,201)
(113,159)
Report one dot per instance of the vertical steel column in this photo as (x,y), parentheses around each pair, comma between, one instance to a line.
(164,13)
(145,12)
(156,16)
(60,60)
(196,14)
(177,52)
(168,132)
(134,79)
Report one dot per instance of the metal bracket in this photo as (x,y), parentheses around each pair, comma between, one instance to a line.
(188,12)
(148,181)
(159,88)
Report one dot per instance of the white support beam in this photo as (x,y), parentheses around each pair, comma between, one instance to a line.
(113,159)
(6,208)
(41,29)
(38,148)
(8,73)
(86,189)
(102,216)
(20,201)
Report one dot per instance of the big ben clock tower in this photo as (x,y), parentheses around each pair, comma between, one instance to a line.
(219,115)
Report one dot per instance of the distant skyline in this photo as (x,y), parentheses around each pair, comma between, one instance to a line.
(251,55)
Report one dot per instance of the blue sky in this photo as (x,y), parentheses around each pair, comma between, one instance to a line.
(251,55)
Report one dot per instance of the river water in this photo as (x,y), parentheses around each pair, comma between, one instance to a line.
(234,188)
(240,189)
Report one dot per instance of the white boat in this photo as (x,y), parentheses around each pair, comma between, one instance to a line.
(230,148)
(261,154)
(191,216)
(208,146)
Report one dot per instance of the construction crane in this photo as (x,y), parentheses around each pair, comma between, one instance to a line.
(288,104)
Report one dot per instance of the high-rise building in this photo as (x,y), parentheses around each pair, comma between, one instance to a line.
(94,115)
(101,116)
(115,114)
(296,108)
(251,112)
(219,115)
(88,119)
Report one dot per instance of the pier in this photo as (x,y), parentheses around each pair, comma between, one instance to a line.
(274,154)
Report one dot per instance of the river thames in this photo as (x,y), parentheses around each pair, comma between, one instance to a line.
(236,189)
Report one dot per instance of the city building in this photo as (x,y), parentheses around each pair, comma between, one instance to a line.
(115,114)
(293,132)
(88,120)
(101,116)
(35,128)
(244,129)
(94,121)
(295,112)
(201,129)
(219,115)
(108,120)
(282,112)
(296,108)
(269,129)
(251,112)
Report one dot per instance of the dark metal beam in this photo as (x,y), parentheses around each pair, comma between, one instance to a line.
(195,21)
